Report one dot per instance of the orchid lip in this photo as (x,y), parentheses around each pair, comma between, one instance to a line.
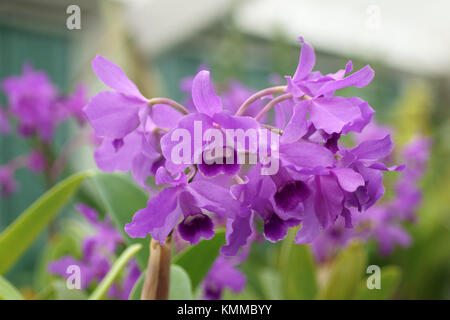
(291,194)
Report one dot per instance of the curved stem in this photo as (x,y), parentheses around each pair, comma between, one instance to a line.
(272,103)
(258,95)
(191,174)
(238,179)
(272,128)
(169,102)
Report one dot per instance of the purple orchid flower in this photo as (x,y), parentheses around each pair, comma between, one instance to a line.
(210,114)
(381,222)
(329,113)
(318,181)
(129,130)
(180,199)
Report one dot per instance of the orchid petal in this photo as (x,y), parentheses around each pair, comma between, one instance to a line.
(114,77)
(373,149)
(205,99)
(332,114)
(306,61)
(297,126)
(113,114)
(348,179)
(152,218)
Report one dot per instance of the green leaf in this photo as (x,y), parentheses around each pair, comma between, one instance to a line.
(122,199)
(8,291)
(297,270)
(180,285)
(345,273)
(120,263)
(197,260)
(15,239)
(271,284)
(389,280)
(61,292)
(247,294)
(135,293)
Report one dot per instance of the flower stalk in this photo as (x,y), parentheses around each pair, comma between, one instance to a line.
(157,277)
(169,102)
(272,103)
(258,95)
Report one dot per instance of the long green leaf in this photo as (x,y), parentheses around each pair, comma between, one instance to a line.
(8,291)
(389,280)
(61,292)
(108,280)
(135,293)
(180,285)
(122,198)
(270,284)
(198,259)
(21,233)
(345,274)
(297,270)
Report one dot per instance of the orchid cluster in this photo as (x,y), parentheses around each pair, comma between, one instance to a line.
(98,251)
(382,222)
(36,109)
(275,160)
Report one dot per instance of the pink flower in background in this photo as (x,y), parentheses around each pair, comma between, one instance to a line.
(7,182)
(31,99)
(5,127)
(72,105)
(36,161)
(97,251)
(35,108)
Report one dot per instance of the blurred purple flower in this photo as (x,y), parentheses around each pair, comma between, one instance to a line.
(223,275)
(96,250)
(7,182)
(383,222)
(5,127)
(30,98)
(122,290)
(36,161)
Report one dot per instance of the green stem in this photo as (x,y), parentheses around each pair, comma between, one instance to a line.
(108,280)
